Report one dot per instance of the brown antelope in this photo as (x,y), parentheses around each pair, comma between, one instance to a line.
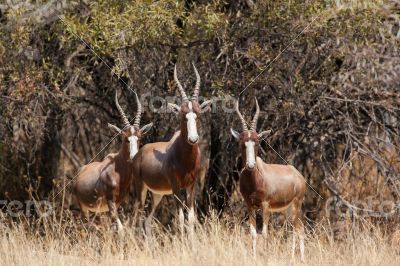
(102,186)
(166,168)
(267,187)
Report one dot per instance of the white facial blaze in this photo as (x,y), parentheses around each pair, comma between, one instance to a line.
(191,125)
(250,154)
(133,146)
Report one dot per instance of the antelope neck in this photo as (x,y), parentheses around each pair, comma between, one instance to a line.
(187,151)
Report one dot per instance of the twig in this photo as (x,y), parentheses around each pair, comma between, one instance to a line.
(358,101)
(71,155)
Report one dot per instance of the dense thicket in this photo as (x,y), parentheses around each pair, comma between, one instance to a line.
(328,89)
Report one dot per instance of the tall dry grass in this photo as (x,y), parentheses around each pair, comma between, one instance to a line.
(215,242)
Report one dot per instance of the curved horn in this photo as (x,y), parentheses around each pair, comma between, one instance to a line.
(124,118)
(139,111)
(180,88)
(197,87)
(114,127)
(253,126)
(244,125)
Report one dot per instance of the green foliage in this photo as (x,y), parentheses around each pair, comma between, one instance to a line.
(114,25)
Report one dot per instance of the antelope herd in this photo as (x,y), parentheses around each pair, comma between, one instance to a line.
(165,168)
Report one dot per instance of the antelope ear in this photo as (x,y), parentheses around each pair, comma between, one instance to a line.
(146,128)
(205,106)
(175,108)
(235,134)
(115,128)
(264,134)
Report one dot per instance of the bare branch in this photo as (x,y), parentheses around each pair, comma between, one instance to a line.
(355,209)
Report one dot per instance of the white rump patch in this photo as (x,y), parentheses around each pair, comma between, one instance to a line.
(250,154)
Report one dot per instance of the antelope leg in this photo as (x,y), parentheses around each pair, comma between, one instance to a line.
(114,215)
(253,232)
(147,225)
(190,205)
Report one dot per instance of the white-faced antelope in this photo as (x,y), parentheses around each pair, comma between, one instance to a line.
(268,187)
(166,168)
(102,186)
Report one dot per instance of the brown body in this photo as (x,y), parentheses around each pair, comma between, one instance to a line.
(103,186)
(268,187)
(165,168)
(272,186)
(99,182)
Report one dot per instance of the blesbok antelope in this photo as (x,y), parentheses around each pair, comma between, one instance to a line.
(267,187)
(166,168)
(102,186)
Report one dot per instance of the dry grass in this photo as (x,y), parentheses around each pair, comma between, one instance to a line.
(215,242)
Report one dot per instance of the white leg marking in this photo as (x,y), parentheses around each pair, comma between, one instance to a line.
(265,230)
(191,216)
(120,228)
(294,245)
(301,237)
(253,234)
(191,220)
(181,220)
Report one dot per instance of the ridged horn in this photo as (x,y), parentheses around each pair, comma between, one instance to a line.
(197,87)
(123,116)
(139,111)
(180,88)
(244,125)
(253,126)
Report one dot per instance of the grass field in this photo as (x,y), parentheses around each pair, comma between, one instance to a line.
(216,242)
